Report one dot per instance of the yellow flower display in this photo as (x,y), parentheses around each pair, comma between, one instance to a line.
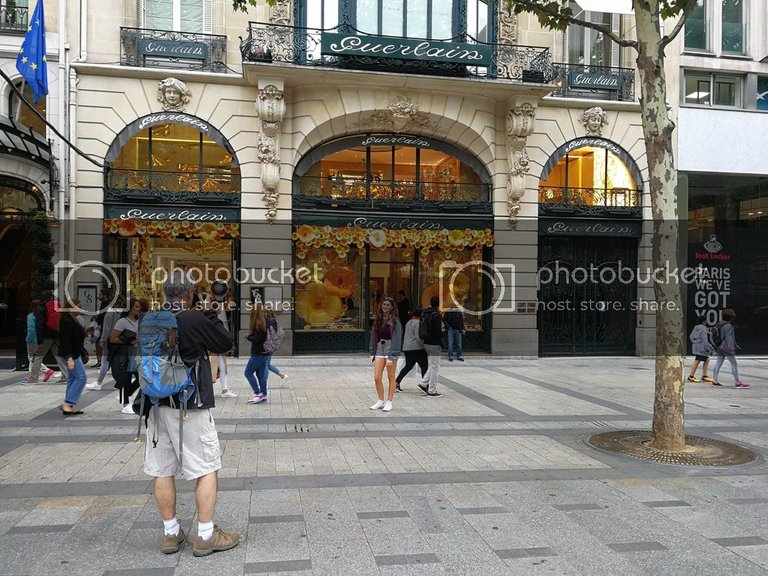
(316,305)
(171,229)
(310,236)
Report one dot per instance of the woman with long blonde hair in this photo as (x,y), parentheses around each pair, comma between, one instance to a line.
(257,369)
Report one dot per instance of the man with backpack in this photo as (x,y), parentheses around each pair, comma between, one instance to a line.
(47,325)
(431,332)
(190,445)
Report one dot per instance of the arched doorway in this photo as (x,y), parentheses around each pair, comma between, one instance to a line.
(383,214)
(589,224)
(19,201)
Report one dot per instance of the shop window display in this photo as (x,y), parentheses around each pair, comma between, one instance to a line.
(332,298)
(150,247)
(335,256)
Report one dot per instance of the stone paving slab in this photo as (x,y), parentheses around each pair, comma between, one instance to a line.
(495,477)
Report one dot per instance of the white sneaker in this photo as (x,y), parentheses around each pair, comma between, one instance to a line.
(255,399)
(379,405)
(128,410)
(93,386)
(228,394)
(387,406)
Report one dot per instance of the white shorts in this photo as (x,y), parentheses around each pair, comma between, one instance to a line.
(202,453)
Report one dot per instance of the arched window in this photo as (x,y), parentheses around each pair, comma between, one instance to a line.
(17,109)
(590,179)
(174,158)
(389,171)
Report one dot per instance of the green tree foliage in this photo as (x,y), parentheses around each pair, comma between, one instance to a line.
(42,275)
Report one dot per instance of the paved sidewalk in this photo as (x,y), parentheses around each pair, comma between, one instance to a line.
(494,477)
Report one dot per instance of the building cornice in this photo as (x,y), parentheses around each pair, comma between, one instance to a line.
(139,73)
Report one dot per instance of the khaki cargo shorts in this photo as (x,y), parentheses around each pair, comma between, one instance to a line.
(202,453)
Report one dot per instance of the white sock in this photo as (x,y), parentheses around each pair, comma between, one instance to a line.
(205,530)
(171,526)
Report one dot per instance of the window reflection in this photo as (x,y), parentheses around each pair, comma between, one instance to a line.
(25,115)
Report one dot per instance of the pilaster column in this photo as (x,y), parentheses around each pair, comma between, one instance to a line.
(520,121)
(271,112)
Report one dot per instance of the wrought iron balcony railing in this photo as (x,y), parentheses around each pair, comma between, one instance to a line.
(279,43)
(208,186)
(590,202)
(13,18)
(596,82)
(312,191)
(148,48)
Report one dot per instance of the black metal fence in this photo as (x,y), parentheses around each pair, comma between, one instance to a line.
(368,193)
(14,18)
(173,186)
(280,43)
(590,201)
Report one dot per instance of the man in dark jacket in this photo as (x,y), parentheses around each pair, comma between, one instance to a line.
(198,334)
(431,316)
(454,324)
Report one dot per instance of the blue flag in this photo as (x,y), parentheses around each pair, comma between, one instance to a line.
(31,62)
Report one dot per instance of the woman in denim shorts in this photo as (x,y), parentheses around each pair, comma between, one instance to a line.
(384,347)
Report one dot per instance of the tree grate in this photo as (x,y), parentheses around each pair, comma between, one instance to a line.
(698,451)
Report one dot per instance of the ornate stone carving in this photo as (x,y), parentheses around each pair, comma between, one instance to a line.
(280,13)
(401,114)
(271,110)
(507,25)
(270,107)
(593,119)
(173,95)
(520,121)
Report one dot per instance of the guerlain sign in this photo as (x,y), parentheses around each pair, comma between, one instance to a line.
(172,214)
(399,224)
(173,49)
(589,228)
(405,49)
(594,81)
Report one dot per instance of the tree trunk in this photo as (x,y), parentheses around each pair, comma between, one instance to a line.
(668,420)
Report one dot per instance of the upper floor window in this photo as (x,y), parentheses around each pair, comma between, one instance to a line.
(433,19)
(696,30)
(175,158)
(733,26)
(180,15)
(590,47)
(712,89)
(22,113)
(14,15)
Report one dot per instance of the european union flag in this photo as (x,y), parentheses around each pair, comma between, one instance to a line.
(31,62)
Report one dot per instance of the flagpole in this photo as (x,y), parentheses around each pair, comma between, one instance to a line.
(21,102)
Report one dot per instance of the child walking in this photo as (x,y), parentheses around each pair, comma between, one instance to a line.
(702,350)
(727,349)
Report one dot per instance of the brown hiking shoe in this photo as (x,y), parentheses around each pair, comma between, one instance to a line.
(171,543)
(219,542)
